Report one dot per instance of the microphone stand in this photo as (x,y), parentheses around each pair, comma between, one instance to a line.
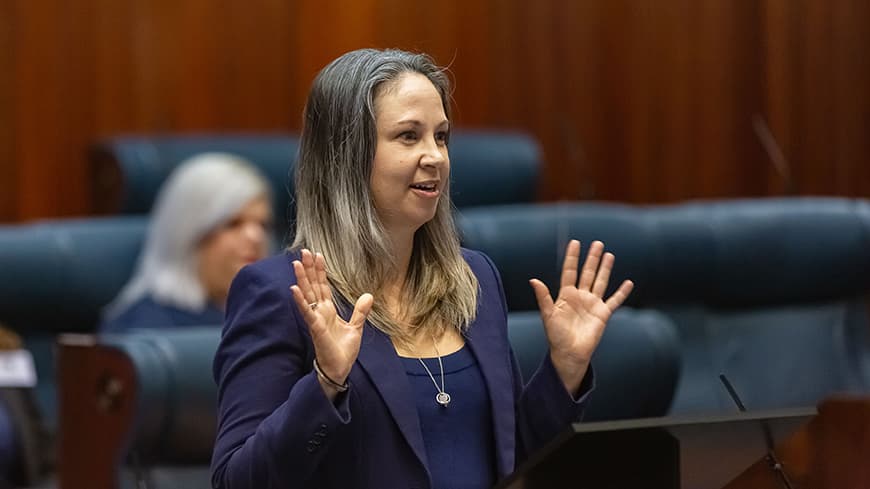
(772,460)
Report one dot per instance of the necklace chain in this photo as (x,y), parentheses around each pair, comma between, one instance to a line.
(442,398)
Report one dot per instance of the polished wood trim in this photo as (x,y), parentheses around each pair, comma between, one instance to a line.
(97,388)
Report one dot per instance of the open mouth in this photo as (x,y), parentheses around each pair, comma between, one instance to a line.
(426,186)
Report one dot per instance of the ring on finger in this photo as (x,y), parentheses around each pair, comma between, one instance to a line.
(312,305)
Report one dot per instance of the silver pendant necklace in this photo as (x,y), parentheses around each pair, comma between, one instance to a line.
(442,398)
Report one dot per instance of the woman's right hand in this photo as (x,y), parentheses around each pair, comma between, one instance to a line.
(336,341)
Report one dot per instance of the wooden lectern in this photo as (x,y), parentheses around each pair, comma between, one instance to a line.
(830,451)
(820,449)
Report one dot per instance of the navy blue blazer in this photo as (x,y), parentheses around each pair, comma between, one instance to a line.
(277,428)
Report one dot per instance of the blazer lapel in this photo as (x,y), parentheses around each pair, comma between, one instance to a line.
(380,361)
(493,356)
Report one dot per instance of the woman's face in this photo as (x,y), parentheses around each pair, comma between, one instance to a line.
(241,240)
(411,165)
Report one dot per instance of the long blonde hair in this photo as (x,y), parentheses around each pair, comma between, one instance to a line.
(335,211)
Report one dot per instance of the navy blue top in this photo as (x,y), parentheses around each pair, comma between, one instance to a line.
(150,314)
(458,437)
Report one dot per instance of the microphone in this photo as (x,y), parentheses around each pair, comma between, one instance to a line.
(772,460)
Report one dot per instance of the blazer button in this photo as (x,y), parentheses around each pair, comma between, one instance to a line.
(312,445)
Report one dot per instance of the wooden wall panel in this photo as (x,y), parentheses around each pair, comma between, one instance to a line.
(632,101)
(672,151)
(776,133)
(818,93)
(585,58)
(42,107)
(8,169)
(849,146)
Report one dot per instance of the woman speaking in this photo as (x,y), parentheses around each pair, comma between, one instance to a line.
(373,352)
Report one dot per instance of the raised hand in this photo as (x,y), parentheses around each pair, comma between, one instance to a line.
(336,342)
(575,322)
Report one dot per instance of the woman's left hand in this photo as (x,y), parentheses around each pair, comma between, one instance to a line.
(575,322)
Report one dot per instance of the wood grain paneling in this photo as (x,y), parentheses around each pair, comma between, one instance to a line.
(817,93)
(8,169)
(41,108)
(849,146)
(632,101)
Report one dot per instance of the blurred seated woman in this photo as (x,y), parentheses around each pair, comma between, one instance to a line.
(212,217)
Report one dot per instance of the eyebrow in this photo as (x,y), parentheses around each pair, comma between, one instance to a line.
(415,122)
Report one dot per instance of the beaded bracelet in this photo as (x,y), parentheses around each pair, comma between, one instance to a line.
(334,384)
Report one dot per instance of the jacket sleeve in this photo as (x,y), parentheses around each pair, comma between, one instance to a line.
(275,424)
(544,408)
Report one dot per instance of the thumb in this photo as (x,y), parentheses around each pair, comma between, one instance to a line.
(361,310)
(542,294)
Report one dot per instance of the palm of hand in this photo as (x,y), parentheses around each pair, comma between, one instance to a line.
(575,322)
(336,341)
